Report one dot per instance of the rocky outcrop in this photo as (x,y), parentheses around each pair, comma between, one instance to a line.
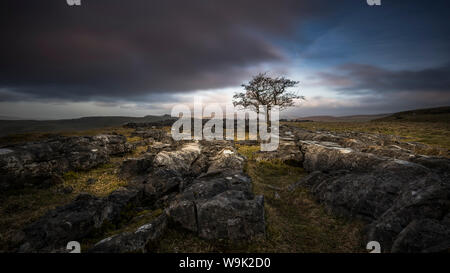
(178,161)
(137,241)
(137,165)
(201,188)
(40,162)
(424,235)
(161,183)
(318,156)
(219,207)
(231,215)
(226,159)
(377,144)
(404,197)
(219,204)
(80,218)
(156,135)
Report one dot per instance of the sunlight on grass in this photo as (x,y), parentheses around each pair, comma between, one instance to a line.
(100,181)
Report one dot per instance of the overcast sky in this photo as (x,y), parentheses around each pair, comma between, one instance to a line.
(140,57)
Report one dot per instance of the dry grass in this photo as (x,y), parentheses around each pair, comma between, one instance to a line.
(100,181)
(295,221)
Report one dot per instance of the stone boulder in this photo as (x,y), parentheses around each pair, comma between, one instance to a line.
(114,144)
(180,160)
(231,215)
(200,165)
(34,163)
(137,241)
(160,183)
(76,220)
(219,207)
(226,160)
(426,235)
(328,156)
(137,166)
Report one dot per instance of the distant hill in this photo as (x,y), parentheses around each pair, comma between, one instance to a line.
(354,118)
(440,114)
(9,127)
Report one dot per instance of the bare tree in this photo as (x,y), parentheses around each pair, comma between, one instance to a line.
(264,90)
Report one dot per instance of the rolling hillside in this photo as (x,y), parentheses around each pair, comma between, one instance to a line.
(9,127)
(440,114)
(353,118)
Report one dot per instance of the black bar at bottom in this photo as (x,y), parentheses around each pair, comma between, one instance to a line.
(223,262)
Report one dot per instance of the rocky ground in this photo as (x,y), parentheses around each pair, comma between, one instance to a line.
(319,191)
(403,197)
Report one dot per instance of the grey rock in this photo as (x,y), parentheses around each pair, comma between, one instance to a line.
(390,197)
(35,163)
(201,186)
(226,159)
(138,241)
(160,183)
(183,213)
(319,156)
(220,207)
(210,186)
(230,215)
(426,235)
(136,166)
(76,220)
(180,160)
(200,165)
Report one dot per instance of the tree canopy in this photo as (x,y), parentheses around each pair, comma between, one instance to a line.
(264,90)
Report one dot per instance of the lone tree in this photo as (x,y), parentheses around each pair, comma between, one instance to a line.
(264,90)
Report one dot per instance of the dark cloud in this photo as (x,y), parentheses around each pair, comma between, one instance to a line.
(377,90)
(361,78)
(129,49)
